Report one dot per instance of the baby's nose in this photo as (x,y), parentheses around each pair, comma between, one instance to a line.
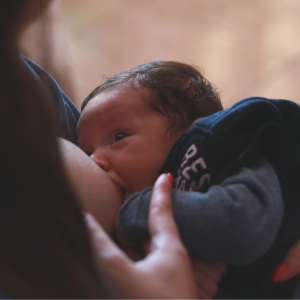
(101,162)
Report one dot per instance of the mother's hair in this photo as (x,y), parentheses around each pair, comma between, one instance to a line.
(45,251)
(16,14)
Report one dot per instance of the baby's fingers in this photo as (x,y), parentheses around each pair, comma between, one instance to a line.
(162,227)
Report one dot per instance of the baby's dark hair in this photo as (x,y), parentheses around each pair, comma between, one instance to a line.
(178,91)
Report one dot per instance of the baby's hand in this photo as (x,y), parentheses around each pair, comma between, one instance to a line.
(207,277)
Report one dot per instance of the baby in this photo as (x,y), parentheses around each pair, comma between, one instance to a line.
(134,118)
(228,165)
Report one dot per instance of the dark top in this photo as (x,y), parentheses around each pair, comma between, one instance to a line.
(67,114)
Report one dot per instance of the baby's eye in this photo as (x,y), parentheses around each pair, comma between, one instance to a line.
(119,137)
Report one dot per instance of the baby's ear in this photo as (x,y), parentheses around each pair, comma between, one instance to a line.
(194,122)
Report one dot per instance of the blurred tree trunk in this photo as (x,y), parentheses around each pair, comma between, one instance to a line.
(44,43)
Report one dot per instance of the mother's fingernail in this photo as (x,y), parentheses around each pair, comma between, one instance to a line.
(278,272)
(171,178)
(84,215)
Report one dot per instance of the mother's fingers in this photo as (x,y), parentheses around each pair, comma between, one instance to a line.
(290,266)
(168,258)
(161,222)
(107,255)
(207,276)
(164,273)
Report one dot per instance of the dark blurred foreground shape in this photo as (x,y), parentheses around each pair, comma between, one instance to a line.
(44,246)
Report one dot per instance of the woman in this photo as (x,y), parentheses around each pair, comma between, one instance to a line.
(45,250)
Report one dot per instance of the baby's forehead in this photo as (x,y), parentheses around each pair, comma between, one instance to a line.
(119,100)
(124,95)
(104,100)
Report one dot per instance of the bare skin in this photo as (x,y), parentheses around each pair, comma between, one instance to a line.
(96,192)
(123,137)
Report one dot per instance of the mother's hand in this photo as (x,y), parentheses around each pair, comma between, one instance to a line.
(165,273)
(207,276)
(290,266)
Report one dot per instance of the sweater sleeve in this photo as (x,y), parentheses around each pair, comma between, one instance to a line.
(234,222)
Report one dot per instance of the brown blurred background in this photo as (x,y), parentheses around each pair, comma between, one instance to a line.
(246,48)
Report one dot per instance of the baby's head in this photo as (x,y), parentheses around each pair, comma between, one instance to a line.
(130,122)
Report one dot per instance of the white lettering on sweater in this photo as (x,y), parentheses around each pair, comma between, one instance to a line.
(185,174)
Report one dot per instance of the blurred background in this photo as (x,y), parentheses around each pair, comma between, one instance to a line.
(245,48)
